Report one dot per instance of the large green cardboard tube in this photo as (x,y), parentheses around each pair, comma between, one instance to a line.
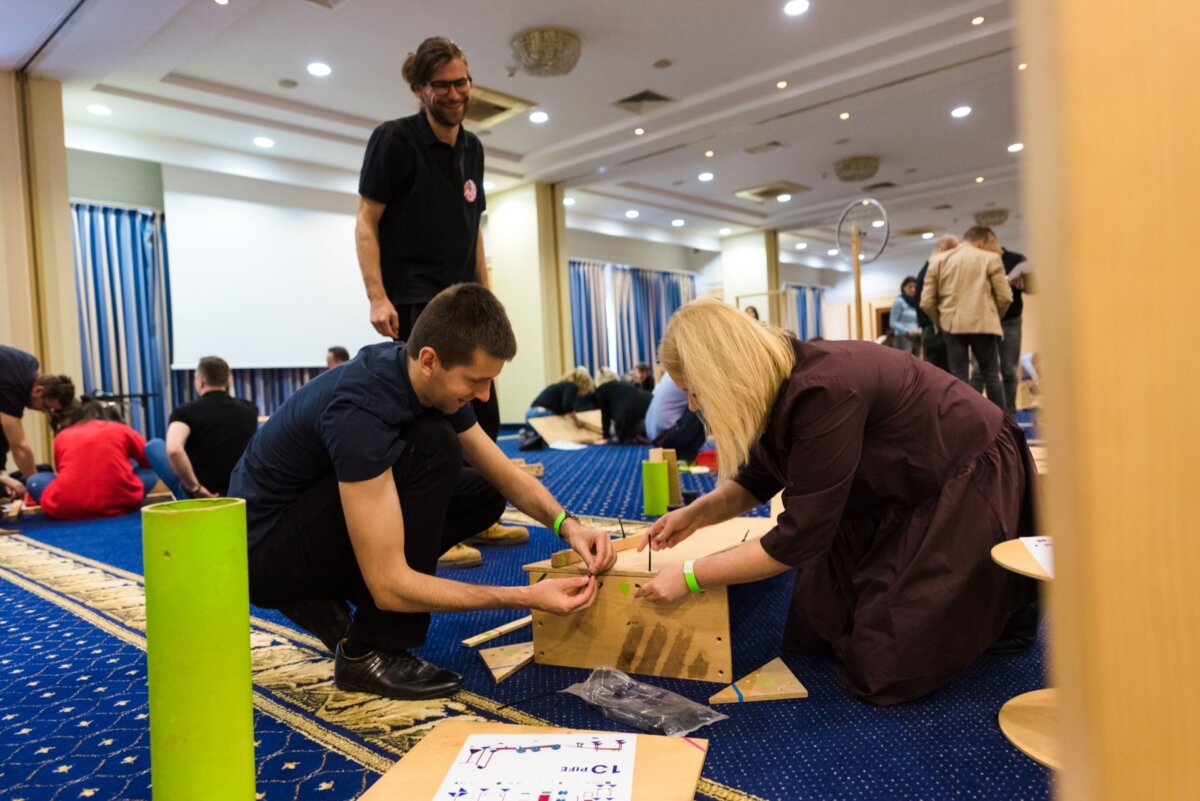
(655,488)
(198,650)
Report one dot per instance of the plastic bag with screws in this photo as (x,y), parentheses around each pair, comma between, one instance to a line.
(643,706)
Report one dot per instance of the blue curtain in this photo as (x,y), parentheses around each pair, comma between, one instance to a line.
(802,310)
(589,329)
(124,327)
(266,388)
(636,305)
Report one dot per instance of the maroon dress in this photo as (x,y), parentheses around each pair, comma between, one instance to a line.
(897,480)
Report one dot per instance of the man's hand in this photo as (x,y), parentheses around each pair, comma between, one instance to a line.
(384,318)
(672,529)
(563,596)
(16,487)
(594,545)
(668,586)
(204,492)
(914,333)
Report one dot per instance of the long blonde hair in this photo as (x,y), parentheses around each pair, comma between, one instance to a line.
(581,379)
(734,367)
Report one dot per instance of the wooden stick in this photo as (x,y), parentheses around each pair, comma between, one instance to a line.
(499,631)
(570,557)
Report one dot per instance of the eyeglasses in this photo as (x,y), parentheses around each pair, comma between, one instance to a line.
(443,87)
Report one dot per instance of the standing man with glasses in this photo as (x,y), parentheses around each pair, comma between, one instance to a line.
(418,230)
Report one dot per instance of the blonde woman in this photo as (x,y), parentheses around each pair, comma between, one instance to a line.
(571,393)
(897,481)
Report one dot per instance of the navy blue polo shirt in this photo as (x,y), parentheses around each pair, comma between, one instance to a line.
(434,196)
(348,422)
(18,372)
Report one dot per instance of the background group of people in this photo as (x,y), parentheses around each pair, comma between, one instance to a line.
(634,409)
(962,312)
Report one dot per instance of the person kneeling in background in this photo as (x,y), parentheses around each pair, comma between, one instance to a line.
(96,477)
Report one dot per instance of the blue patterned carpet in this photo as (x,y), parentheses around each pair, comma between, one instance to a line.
(73,700)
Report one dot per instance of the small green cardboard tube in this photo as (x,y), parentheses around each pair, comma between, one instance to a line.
(655,488)
(198,650)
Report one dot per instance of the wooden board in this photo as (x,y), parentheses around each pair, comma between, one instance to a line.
(688,639)
(13,511)
(569,556)
(674,490)
(499,631)
(666,768)
(505,660)
(708,540)
(771,682)
(1013,555)
(559,428)
(1030,722)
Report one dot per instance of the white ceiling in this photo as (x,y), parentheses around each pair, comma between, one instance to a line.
(192,82)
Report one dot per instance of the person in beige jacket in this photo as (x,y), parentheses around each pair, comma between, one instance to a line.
(965,295)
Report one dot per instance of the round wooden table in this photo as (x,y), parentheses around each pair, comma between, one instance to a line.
(1029,721)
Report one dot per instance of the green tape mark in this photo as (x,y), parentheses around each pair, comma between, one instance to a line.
(624,588)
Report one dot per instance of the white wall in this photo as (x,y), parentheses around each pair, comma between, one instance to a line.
(114,179)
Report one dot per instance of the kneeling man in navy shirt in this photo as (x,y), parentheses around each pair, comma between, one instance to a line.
(357,483)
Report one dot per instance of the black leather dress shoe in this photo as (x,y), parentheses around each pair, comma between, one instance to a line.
(393,674)
(1020,632)
(326,619)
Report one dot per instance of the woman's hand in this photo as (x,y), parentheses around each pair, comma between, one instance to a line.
(668,586)
(563,596)
(672,528)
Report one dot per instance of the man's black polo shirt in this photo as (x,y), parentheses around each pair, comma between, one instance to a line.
(346,422)
(18,371)
(221,426)
(1011,259)
(434,196)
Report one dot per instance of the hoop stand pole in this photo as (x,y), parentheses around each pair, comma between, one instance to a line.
(856,259)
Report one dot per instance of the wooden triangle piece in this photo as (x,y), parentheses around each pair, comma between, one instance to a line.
(771,682)
(506,660)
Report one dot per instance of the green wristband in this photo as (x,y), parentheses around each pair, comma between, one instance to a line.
(558,521)
(689,575)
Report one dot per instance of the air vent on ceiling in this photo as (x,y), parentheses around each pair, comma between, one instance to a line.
(330,4)
(878,186)
(916,231)
(771,191)
(642,102)
(942,207)
(765,147)
(489,107)
(991,217)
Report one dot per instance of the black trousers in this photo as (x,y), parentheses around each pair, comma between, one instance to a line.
(687,436)
(307,555)
(486,412)
(985,348)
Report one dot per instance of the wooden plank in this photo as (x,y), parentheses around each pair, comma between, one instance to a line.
(505,660)
(708,540)
(499,631)
(13,511)
(569,557)
(771,682)
(675,491)
(665,769)
(560,428)
(688,639)
(1030,722)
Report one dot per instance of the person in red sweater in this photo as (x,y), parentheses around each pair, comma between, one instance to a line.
(94,455)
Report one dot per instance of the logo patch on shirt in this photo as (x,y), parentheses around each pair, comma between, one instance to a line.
(469,191)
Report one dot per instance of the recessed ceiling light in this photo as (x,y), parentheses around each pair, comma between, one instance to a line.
(602,169)
(795,8)
(99,110)
(726,231)
(781,84)
(568,201)
(488,186)
(784,198)
(677,223)
(638,131)
(979,179)
(927,235)
(832,251)
(978,21)
(632,214)
(704,176)
(538,117)
(319,69)
(264,141)
(960,112)
(801,246)
(877,224)
(708,154)
(1022,66)
(845,115)
(222,2)
(1016,147)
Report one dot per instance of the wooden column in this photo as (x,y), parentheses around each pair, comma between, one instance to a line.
(1112,197)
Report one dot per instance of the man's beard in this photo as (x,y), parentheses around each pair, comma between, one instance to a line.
(435,111)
